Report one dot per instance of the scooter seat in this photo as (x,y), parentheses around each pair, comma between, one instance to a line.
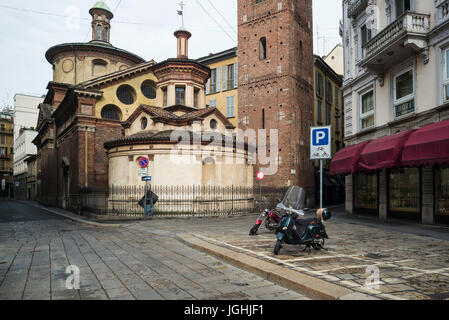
(302,224)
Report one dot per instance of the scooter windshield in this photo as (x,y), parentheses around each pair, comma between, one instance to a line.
(294,198)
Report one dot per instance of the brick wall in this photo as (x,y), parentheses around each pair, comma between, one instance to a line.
(282,84)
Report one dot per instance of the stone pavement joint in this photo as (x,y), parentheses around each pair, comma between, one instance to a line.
(307,285)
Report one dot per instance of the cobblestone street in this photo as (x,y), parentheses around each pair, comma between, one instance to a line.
(115,263)
(144,260)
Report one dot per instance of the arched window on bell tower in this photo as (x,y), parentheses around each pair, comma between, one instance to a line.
(99,32)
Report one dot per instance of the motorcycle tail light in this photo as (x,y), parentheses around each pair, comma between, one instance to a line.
(258,222)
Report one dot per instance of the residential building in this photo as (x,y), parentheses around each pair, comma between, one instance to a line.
(396,106)
(23,148)
(222,87)
(32,178)
(328,111)
(275,50)
(335,59)
(25,121)
(6,154)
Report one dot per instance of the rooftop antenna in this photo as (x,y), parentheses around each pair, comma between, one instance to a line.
(181,12)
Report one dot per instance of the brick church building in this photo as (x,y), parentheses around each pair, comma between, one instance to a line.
(275,50)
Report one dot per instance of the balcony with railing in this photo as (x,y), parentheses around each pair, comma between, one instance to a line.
(401,39)
(6,131)
(355,7)
(442,11)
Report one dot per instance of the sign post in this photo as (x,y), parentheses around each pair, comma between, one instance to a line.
(260,176)
(143,173)
(320,148)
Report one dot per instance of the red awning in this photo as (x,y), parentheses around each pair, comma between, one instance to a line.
(384,152)
(427,145)
(346,160)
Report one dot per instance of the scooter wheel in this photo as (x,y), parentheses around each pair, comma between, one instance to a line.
(277,247)
(254,230)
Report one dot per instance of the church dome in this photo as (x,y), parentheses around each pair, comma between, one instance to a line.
(101,5)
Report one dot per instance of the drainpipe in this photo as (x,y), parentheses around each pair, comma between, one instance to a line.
(74,58)
(86,172)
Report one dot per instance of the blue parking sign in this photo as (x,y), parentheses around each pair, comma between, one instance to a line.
(320,137)
(320,143)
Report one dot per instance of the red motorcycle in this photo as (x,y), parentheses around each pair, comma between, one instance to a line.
(271,219)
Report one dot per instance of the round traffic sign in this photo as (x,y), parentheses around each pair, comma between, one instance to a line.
(143,162)
(260,175)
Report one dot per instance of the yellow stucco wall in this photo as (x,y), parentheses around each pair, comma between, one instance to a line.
(337,136)
(220,97)
(6,130)
(110,96)
(64,68)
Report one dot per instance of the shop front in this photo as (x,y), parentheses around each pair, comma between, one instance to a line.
(404,175)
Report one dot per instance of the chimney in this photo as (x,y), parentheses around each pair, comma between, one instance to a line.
(183,37)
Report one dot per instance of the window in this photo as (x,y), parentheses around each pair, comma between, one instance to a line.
(148,89)
(3,151)
(99,67)
(301,52)
(263,48)
(2,164)
(404,93)
(329,92)
(230,107)
(404,194)
(328,116)
(446,76)
(263,118)
(319,84)
(365,34)
(126,94)
(2,127)
(111,112)
(367,110)
(319,111)
(230,77)
(143,123)
(196,93)
(402,6)
(214,82)
(106,34)
(2,139)
(213,124)
(442,190)
(99,32)
(337,97)
(180,95)
(213,103)
(164,93)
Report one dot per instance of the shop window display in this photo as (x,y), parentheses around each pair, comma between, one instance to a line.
(442,191)
(404,190)
(366,191)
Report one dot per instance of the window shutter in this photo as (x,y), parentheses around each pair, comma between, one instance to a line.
(217,81)
(236,75)
(208,86)
(223,80)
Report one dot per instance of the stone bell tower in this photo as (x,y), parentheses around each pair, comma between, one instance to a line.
(101,22)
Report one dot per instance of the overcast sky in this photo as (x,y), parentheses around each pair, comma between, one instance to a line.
(144,27)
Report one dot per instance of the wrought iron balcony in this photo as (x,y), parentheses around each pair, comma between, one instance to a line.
(404,37)
(355,7)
